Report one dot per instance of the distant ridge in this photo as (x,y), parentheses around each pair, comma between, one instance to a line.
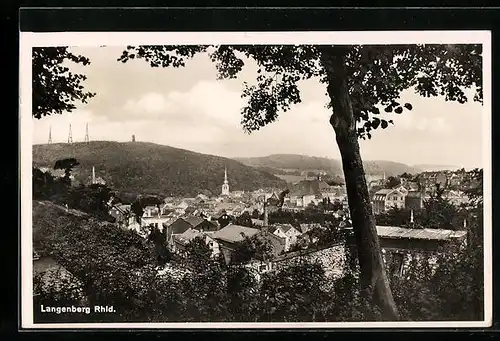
(334,167)
(142,167)
(435,168)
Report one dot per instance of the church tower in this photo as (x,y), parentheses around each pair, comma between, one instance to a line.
(225,185)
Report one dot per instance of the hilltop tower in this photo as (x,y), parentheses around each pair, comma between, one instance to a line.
(50,134)
(87,133)
(70,135)
(225,185)
(133,138)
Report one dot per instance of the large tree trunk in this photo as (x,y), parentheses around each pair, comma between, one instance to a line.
(374,282)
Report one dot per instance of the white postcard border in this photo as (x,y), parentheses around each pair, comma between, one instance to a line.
(30,39)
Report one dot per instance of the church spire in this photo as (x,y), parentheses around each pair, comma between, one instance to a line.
(225,185)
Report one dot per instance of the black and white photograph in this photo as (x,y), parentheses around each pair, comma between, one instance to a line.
(256,180)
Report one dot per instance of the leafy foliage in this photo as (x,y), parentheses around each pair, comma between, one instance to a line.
(199,254)
(113,266)
(92,199)
(159,239)
(137,207)
(296,293)
(393,181)
(244,219)
(251,248)
(67,165)
(376,75)
(423,292)
(55,88)
(438,212)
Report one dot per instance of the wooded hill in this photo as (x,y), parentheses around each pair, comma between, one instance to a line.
(149,168)
(280,162)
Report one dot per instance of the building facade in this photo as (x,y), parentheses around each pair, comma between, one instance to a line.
(386,199)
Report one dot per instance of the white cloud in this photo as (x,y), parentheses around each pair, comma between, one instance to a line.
(150,103)
(188,108)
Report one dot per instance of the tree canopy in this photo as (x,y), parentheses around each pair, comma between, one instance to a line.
(360,80)
(376,75)
(55,88)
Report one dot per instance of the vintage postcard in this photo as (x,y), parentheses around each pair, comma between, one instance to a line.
(256,180)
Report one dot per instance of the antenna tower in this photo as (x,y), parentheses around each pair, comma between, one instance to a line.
(70,136)
(50,135)
(87,133)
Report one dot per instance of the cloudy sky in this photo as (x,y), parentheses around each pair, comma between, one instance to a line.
(188,108)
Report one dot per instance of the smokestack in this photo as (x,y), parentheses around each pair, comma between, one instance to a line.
(93,175)
(266,216)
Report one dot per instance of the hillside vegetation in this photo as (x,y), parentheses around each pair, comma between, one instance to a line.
(333,167)
(141,167)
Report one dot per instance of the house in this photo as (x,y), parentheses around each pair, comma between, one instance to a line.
(414,200)
(153,216)
(222,214)
(182,224)
(412,185)
(277,243)
(287,232)
(181,207)
(190,210)
(120,212)
(402,189)
(178,242)
(399,244)
(257,222)
(386,199)
(230,235)
(457,198)
(308,199)
(237,212)
(237,194)
(304,228)
(200,224)
(202,197)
